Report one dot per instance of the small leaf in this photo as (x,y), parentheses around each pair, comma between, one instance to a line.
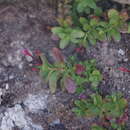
(113,13)
(56,53)
(70,85)
(83,20)
(96,127)
(64,42)
(57,30)
(79,69)
(53,81)
(98,11)
(76,33)
(122,103)
(115,34)
(91,4)
(129,28)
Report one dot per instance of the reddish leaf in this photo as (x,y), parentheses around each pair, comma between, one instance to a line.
(27,53)
(35,69)
(38,52)
(80,50)
(57,55)
(123,118)
(70,85)
(79,68)
(123,69)
(82,96)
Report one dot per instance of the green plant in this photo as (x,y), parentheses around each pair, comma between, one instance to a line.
(90,74)
(97,127)
(68,34)
(88,6)
(56,71)
(70,74)
(92,29)
(110,109)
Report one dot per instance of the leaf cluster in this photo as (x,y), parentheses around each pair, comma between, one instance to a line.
(109,108)
(89,29)
(70,74)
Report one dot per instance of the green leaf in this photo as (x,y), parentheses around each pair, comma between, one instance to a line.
(87,10)
(76,33)
(129,28)
(97,99)
(113,13)
(115,34)
(78,111)
(96,127)
(98,11)
(64,42)
(80,90)
(62,83)
(83,20)
(57,30)
(91,4)
(84,4)
(53,81)
(93,22)
(122,103)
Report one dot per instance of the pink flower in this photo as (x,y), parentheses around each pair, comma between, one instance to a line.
(123,69)
(79,68)
(27,53)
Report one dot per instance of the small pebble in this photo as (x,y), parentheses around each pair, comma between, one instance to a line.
(7,86)
(11,77)
(121,52)
(126,59)
(0,92)
(123,89)
(29,58)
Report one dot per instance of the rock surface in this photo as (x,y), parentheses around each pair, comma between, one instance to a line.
(25,100)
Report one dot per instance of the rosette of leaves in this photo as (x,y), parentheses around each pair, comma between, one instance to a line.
(86,72)
(91,107)
(88,7)
(97,127)
(69,74)
(58,71)
(94,29)
(111,110)
(68,34)
(117,22)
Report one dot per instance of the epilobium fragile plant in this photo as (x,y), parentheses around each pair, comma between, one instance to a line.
(69,74)
(112,110)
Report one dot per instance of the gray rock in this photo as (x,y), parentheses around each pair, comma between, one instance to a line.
(121,52)
(16,117)
(13,116)
(36,102)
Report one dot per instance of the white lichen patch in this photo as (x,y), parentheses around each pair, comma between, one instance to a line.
(16,116)
(36,102)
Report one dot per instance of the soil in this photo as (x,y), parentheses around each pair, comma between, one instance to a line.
(25,25)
